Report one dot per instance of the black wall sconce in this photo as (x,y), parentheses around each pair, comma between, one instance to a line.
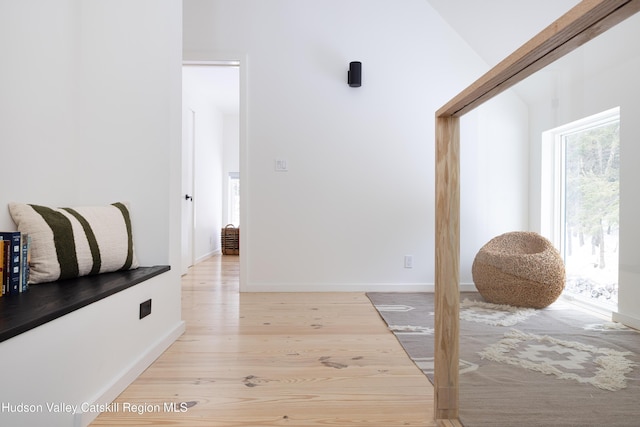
(354,76)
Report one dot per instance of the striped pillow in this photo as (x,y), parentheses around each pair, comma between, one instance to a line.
(73,242)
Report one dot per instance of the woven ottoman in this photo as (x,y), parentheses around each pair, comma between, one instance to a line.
(519,268)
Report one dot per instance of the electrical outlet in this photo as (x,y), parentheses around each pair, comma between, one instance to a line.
(145,308)
(408,261)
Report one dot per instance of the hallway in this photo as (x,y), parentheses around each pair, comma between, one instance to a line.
(269,359)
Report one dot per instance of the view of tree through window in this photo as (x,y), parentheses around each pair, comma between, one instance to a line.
(591,203)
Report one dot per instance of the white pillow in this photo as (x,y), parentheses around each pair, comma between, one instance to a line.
(73,242)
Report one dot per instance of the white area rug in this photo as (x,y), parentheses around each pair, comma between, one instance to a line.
(602,367)
(493,314)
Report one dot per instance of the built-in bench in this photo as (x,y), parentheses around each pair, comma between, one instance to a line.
(45,302)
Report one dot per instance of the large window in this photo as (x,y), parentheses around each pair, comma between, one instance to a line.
(585,170)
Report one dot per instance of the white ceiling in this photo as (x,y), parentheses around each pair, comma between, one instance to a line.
(495,28)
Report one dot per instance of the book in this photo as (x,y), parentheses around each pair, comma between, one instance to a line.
(5,266)
(25,247)
(2,262)
(13,270)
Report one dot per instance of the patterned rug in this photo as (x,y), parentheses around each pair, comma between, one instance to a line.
(559,366)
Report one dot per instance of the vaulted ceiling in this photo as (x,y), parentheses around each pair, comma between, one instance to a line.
(495,28)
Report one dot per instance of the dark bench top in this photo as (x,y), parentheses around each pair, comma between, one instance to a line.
(48,301)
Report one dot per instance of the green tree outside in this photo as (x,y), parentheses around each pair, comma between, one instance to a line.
(592,190)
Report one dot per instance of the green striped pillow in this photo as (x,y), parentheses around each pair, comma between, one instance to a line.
(73,242)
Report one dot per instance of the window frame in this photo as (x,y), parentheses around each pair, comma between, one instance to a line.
(552,200)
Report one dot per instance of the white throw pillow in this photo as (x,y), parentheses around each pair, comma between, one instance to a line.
(73,242)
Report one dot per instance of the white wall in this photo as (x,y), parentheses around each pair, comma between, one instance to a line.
(599,76)
(82,112)
(358,195)
(207,164)
(231,155)
(208,184)
(494,175)
(90,112)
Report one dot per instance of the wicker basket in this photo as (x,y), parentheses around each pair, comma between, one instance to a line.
(230,239)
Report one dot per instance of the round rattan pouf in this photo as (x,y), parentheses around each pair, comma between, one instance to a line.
(519,268)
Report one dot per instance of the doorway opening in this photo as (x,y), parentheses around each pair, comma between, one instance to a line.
(211,94)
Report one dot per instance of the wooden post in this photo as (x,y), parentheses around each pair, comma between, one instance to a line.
(447,267)
(585,21)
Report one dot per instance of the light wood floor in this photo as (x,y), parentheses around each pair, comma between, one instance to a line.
(276,359)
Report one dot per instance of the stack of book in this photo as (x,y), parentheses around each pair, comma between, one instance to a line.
(14,268)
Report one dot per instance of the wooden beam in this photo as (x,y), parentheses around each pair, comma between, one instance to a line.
(585,21)
(447,268)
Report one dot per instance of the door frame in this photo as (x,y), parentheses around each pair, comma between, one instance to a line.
(241,61)
(187,226)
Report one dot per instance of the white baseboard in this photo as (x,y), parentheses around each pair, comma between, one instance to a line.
(117,386)
(632,322)
(468,287)
(207,255)
(348,287)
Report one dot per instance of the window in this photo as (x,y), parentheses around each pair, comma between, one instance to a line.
(234,198)
(583,163)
